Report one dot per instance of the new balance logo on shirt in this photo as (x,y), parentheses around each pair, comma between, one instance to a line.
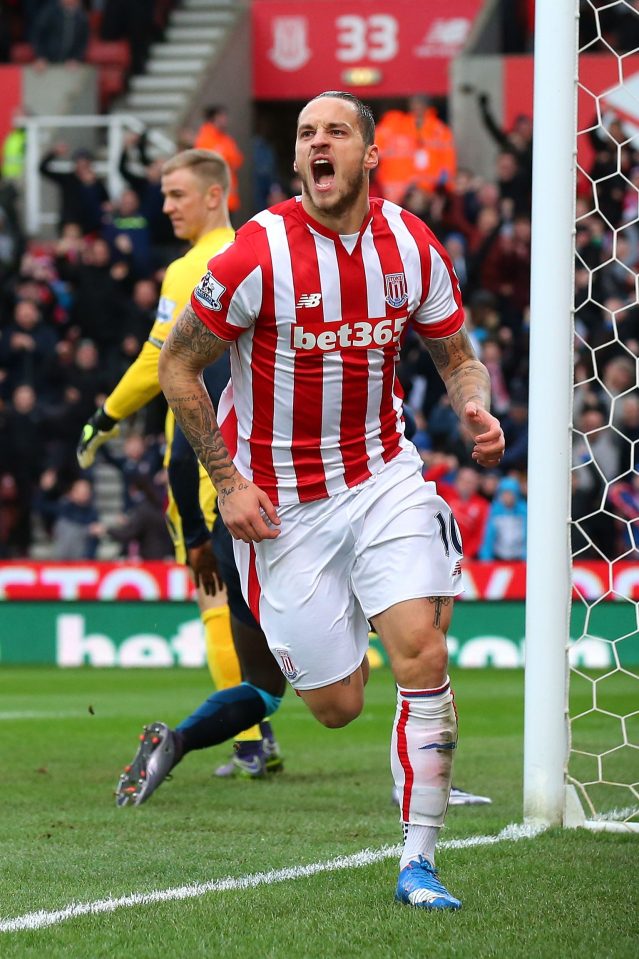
(308,299)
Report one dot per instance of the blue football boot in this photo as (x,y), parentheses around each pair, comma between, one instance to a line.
(419,886)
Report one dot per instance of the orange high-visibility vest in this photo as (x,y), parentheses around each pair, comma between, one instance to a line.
(413,154)
(210,138)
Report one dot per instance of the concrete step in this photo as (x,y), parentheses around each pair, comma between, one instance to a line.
(179,67)
(155,118)
(161,83)
(200,17)
(180,51)
(194,34)
(206,4)
(161,99)
(108,550)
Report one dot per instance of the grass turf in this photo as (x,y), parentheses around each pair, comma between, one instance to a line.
(64,735)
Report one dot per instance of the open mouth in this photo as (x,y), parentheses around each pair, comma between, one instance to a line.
(323,174)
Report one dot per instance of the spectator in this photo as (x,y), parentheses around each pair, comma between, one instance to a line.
(627,423)
(517,140)
(595,460)
(144,174)
(264,170)
(444,429)
(83,195)
(623,501)
(595,448)
(505,533)
(142,530)
(416,149)
(13,151)
(61,33)
(23,436)
(515,427)
(142,312)
(26,344)
(506,271)
(15,525)
(142,460)
(100,301)
(492,358)
(72,517)
(126,230)
(8,246)
(133,22)
(469,507)
(213,135)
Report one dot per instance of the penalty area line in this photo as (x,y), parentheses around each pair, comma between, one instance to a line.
(367,857)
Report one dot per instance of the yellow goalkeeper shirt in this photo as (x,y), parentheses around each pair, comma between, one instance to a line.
(140,383)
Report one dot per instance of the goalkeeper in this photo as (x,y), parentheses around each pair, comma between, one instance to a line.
(195,185)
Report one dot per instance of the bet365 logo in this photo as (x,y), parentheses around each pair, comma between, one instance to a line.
(321,337)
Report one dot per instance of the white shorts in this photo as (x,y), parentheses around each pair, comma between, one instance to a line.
(339,561)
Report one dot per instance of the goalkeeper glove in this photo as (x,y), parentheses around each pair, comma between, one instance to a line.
(96,431)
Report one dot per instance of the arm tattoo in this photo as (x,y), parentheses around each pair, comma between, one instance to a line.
(438,602)
(189,348)
(190,337)
(465,377)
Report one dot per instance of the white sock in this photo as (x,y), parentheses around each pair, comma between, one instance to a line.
(422,748)
(420,841)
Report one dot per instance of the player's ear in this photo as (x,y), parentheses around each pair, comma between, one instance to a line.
(371,157)
(295,170)
(214,196)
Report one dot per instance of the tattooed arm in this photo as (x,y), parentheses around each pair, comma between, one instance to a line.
(468,386)
(188,349)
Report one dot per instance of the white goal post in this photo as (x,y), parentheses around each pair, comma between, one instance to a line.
(552,796)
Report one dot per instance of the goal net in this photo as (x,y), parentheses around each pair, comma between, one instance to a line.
(582,634)
(603,762)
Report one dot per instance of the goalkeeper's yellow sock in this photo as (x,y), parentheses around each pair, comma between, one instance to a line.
(222,658)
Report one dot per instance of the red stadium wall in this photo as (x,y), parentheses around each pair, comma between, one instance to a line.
(169,582)
(11,99)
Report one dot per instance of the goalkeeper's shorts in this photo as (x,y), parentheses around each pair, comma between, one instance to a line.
(222,543)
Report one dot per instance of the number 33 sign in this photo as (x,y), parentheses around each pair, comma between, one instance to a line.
(322,46)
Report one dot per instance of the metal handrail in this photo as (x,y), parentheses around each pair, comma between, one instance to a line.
(116,124)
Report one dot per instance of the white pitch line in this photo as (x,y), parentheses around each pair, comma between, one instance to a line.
(367,857)
(32,714)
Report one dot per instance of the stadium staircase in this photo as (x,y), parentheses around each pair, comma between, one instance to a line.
(109,501)
(195,33)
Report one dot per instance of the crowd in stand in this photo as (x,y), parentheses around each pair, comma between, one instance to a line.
(59,31)
(75,311)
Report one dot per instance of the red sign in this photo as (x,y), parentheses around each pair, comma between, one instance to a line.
(170,582)
(101,581)
(11,99)
(608,85)
(365,47)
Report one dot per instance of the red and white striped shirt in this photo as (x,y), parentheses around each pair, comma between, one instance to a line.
(317,321)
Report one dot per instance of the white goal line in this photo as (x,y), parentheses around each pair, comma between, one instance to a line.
(367,857)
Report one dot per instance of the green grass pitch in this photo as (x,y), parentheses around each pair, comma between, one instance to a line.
(65,734)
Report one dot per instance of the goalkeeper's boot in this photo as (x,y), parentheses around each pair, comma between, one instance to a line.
(418,885)
(93,438)
(271,749)
(247,762)
(157,754)
(458,797)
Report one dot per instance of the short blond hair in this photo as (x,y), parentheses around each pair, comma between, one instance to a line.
(208,167)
